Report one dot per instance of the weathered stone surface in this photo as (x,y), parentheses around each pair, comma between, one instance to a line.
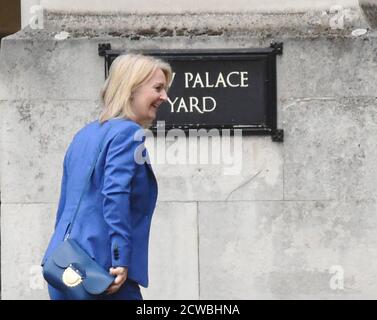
(369,8)
(330,149)
(25,232)
(35,135)
(339,67)
(50,69)
(370,169)
(179,6)
(257,173)
(1,138)
(3,79)
(287,250)
(338,21)
(173,252)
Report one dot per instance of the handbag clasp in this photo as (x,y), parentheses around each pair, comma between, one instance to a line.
(71,276)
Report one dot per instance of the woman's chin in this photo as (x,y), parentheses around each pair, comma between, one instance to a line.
(148,122)
(152,116)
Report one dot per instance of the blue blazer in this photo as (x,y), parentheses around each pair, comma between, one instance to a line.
(114,218)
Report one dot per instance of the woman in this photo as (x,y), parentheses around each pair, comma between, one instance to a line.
(115,214)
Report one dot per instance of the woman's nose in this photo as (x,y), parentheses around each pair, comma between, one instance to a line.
(164,95)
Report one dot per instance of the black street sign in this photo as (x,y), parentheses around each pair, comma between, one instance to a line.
(221,89)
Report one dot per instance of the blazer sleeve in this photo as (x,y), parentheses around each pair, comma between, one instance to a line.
(120,168)
(63,191)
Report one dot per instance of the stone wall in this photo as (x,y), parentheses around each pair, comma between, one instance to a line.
(301,214)
(193,6)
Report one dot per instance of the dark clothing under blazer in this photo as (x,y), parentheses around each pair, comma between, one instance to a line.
(115,214)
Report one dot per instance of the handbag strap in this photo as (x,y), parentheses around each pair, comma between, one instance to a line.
(98,151)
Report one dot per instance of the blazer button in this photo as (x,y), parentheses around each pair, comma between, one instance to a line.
(116,253)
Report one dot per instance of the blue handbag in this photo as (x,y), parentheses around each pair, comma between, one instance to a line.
(70,269)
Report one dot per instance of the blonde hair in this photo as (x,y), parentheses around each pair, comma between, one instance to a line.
(127,72)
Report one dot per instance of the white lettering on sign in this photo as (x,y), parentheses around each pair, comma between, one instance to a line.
(232,79)
(194,104)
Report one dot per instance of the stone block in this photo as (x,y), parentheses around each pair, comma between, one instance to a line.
(173,253)
(49,69)
(25,232)
(334,67)
(179,6)
(257,173)
(35,135)
(329,149)
(287,250)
